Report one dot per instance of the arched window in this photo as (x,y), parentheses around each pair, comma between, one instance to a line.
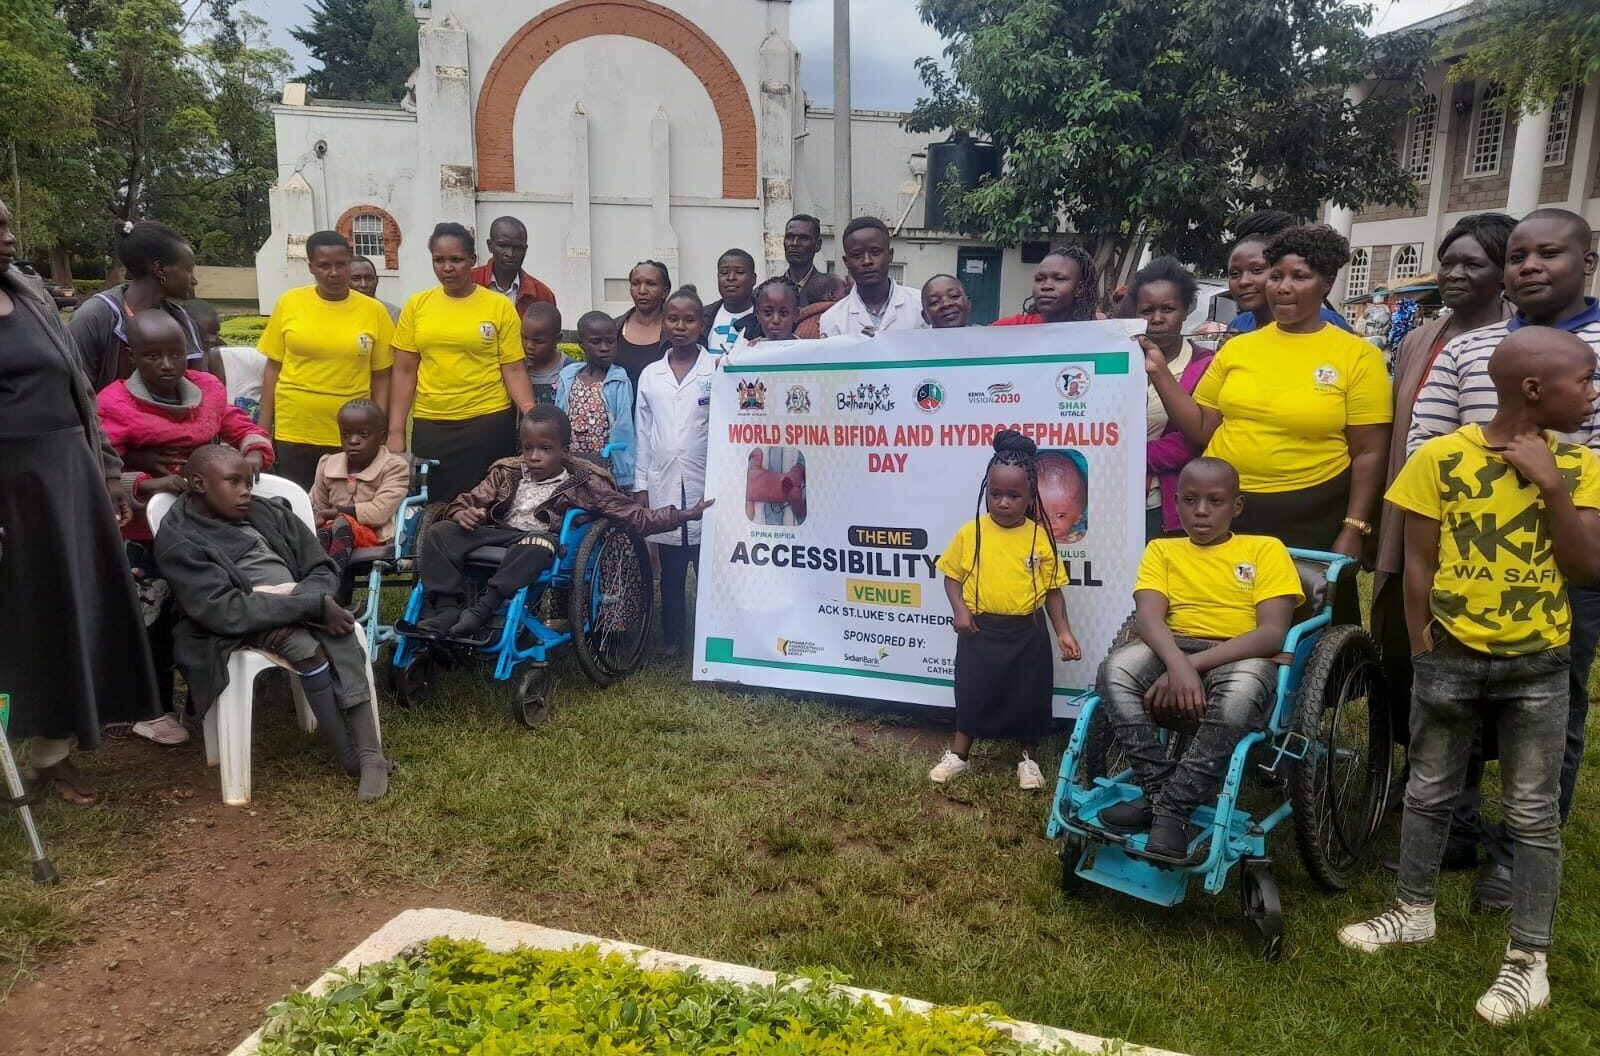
(373,233)
(1359,275)
(1407,263)
(1490,135)
(1419,144)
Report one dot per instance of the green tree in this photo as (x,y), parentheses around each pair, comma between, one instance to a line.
(1162,121)
(43,111)
(221,205)
(367,49)
(1532,47)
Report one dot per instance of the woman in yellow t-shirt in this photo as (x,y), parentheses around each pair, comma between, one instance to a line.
(1299,407)
(325,345)
(458,365)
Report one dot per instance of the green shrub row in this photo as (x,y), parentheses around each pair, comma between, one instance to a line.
(450,996)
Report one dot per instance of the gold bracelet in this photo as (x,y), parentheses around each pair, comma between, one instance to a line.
(1364,527)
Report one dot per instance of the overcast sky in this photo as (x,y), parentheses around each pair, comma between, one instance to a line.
(887,37)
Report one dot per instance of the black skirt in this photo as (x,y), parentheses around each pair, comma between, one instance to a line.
(1307,518)
(298,462)
(1005,678)
(73,654)
(465,450)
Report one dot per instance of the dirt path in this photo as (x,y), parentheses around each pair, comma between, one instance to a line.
(188,948)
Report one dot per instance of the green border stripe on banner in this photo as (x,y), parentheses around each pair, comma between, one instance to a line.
(1103,363)
(720,651)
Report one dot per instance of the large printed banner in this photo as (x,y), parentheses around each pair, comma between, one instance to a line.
(842,468)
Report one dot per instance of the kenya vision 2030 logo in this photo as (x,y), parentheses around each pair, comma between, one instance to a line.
(930,396)
(999,392)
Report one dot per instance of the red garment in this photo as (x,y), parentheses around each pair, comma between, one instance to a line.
(1025,319)
(363,535)
(131,418)
(529,289)
(808,324)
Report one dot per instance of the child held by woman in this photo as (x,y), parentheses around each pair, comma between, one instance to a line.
(357,491)
(154,419)
(598,397)
(520,506)
(1003,577)
(673,422)
(248,573)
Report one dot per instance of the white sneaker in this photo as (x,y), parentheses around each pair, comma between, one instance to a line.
(950,767)
(1407,922)
(166,730)
(1521,988)
(1028,776)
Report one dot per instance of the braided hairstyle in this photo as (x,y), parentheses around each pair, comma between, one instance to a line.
(1086,295)
(1011,448)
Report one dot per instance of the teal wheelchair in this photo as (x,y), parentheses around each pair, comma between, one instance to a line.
(1324,761)
(597,597)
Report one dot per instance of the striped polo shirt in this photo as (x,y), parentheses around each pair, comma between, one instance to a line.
(1458,390)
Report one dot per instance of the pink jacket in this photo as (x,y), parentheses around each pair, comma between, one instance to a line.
(1167,454)
(132,418)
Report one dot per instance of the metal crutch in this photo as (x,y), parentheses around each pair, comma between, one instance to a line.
(19,800)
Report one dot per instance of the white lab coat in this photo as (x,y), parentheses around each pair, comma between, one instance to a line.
(673,426)
(850,316)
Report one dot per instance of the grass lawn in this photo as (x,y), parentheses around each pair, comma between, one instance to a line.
(783,833)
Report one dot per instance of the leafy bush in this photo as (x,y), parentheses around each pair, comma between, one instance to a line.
(243,329)
(454,996)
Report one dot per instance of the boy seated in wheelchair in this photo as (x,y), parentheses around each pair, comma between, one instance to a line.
(1211,611)
(520,505)
(249,574)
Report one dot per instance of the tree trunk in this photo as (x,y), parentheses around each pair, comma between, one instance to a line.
(60,264)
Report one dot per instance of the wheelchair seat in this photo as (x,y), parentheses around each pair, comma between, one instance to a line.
(1314,584)
(367,556)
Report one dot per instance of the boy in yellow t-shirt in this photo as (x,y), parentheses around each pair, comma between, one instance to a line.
(1498,517)
(1211,610)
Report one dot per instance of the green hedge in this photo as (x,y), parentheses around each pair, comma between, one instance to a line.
(243,329)
(450,996)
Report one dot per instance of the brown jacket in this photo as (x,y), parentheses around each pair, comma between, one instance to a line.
(375,493)
(588,487)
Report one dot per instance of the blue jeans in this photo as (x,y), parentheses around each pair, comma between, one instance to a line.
(1585,602)
(1455,689)
(1238,697)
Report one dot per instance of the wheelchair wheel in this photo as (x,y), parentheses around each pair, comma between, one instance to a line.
(610,604)
(1072,848)
(533,695)
(431,514)
(415,683)
(1341,787)
(1101,756)
(1263,911)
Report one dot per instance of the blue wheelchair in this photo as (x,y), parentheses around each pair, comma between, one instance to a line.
(394,564)
(596,597)
(1325,759)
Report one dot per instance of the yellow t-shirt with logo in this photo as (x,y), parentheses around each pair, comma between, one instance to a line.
(1285,400)
(326,352)
(1498,589)
(463,342)
(1212,591)
(1014,569)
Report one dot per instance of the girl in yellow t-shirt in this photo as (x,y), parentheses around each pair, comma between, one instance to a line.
(458,365)
(1300,407)
(1002,574)
(326,345)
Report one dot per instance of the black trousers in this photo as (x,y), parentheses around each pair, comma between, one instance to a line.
(298,462)
(447,544)
(675,562)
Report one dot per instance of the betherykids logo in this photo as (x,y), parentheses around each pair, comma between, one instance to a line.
(866,397)
(930,396)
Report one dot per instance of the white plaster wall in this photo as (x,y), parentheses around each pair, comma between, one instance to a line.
(881,175)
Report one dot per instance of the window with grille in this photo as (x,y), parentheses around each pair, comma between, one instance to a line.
(1555,142)
(1490,135)
(1407,263)
(366,232)
(1359,275)
(1419,144)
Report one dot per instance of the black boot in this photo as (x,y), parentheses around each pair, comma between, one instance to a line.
(440,616)
(374,768)
(482,611)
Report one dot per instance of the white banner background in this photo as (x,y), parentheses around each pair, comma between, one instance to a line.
(881,444)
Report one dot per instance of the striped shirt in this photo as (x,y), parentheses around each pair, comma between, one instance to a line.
(1458,390)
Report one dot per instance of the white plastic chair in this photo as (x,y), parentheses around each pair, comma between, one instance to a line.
(227,723)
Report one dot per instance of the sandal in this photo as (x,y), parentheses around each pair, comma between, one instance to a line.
(68,782)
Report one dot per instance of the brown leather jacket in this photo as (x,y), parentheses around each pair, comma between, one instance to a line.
(588,487)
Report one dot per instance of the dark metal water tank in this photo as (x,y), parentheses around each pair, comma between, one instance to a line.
(972,161)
